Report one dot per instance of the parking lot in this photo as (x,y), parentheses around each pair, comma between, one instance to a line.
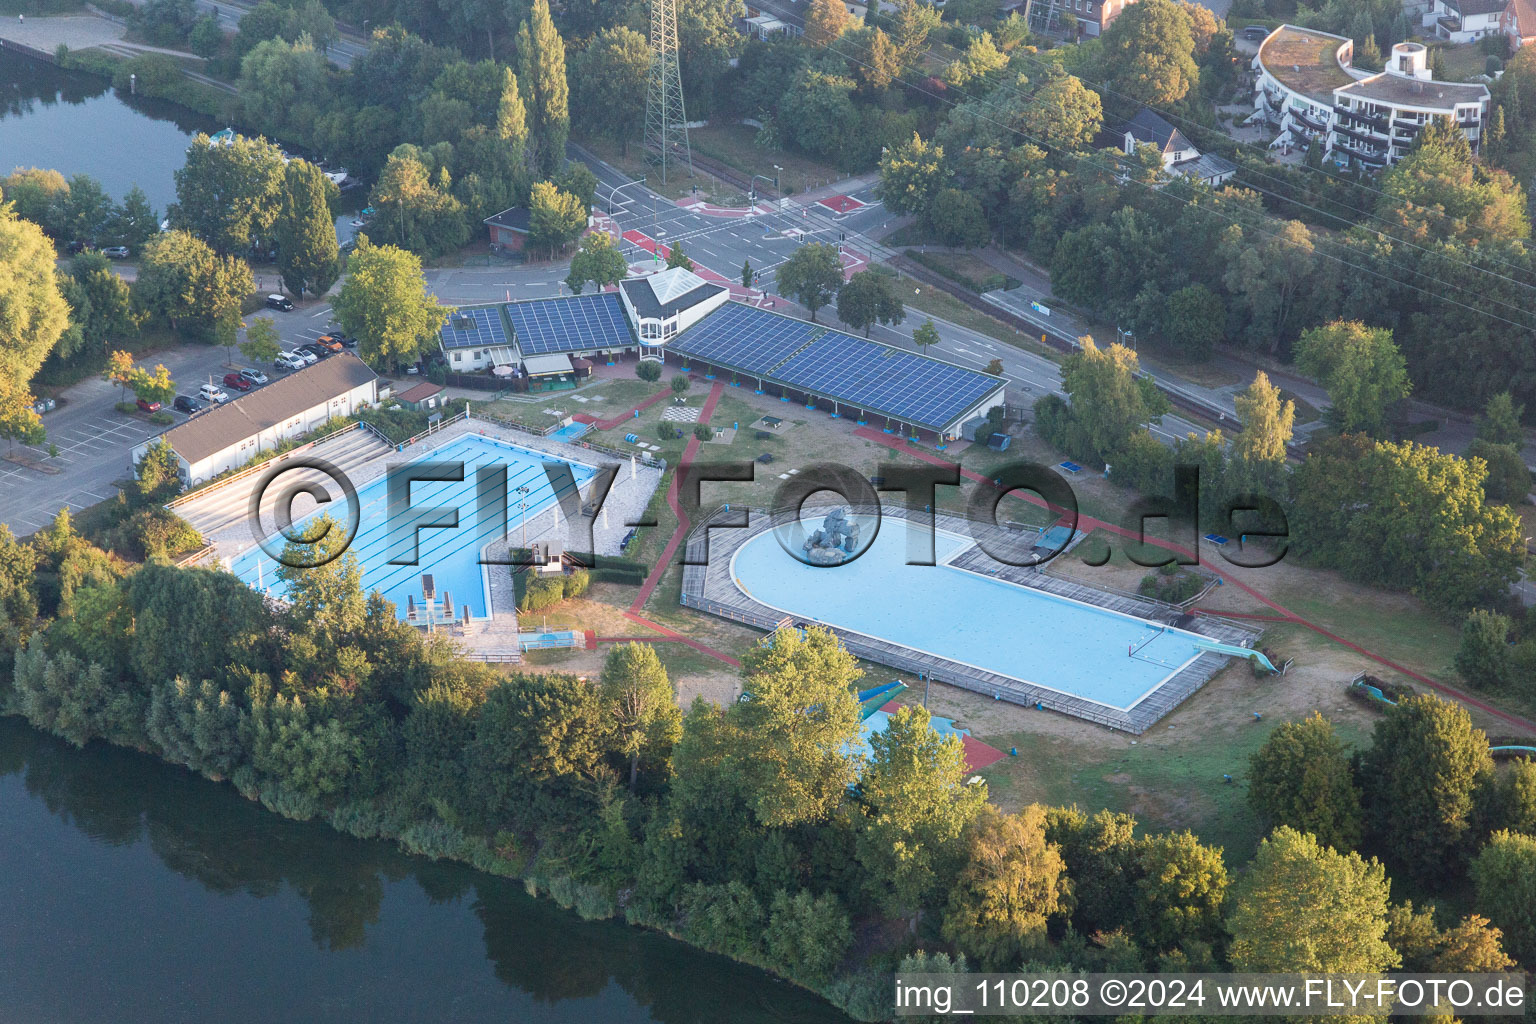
(93,442)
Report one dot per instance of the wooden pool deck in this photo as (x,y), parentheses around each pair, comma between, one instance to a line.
(708,587)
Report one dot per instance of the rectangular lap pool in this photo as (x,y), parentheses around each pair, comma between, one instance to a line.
(1048,641)
(451,556)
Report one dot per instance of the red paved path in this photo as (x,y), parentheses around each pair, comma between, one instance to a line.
(1088,523)
(609,424)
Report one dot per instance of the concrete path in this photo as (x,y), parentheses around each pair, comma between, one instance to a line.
(76,31)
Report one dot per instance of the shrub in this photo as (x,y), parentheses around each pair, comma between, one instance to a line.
(161,419)
(649,370)
(434,838)
(679,383)
(667,431)
(703,432)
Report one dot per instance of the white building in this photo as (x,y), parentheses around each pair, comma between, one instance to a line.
(663,304)
(1148,128)
(230,435)
(1466,21)
(1305,85)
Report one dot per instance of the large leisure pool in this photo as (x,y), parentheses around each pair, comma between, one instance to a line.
(451,556)
(1028,635)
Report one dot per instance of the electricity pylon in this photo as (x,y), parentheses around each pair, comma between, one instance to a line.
(666,118)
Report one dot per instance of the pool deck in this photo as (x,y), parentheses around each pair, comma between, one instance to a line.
(709,587)
(221,512)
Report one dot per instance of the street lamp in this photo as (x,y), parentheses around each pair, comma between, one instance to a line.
(615,190)
(522,504)
(752,186)
(1125,336)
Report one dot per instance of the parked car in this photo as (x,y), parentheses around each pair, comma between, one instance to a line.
(1255,32)
(212,393)
(187,404)
(347,341)
(309,358)
(239,383)
(145,405)
(289,361)
(318,351)
(330,343)
(116,252)
(76,247)
(253,375)
(280,302)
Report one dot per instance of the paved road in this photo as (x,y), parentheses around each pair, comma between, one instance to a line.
(93,441)
(342,52)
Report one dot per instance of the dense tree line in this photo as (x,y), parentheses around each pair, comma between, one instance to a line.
(753,829)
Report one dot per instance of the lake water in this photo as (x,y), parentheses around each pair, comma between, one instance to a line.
(136,891)
(78,124)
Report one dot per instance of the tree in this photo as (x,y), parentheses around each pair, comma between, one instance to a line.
(869,298)
(1500,421)
(812,276)
(207,38)
(546,92)
(748,275)
(283,86)
(1504,875)
(911,23)
(262,343)
(608,84)
(1438,189)
(512,121)
(1110,403)
(978,65)
(679,383)
(1304,907)
(422,214)
(38,195)
(1267,424)
(229,194)
(677,258)
(307,255)
(1012,882)
(926,334)
(119,370)
(1421,776)
(956,218)
(33,317)
(101,307)
(599,261)
(825,21)
(1064,115)
(1405,516)
(911,176)
(915,803)
(384,303)
(153,385)
(807,936)
(648,370)
(1194,320)
(1302,777)
(796,726)
(134,222)
(1148,54)
(1269,279)
(1483,656)
(644,704)
(87,211)
(1181,893)
(817,111)
(196,290)
(556,218)
(1362,370)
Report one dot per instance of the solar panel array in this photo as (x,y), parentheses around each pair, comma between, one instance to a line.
(485,330)
(744,337)
(903,385)
(574,323)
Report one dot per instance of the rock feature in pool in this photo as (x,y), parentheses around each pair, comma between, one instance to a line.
(834,542)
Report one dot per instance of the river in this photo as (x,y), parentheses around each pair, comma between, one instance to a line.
(137,891)
(76,123)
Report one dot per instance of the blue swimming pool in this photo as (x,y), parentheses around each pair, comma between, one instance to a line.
(1051,642)
(451,556)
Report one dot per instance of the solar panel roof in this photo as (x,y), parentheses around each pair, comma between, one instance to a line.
(750,339)
(573,323)
(485,328)
(900,384)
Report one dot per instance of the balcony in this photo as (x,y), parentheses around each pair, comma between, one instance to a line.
(1358,136)
(1411,127)
(1308,120)
(1360,117)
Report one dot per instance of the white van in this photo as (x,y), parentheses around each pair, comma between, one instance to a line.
(212,393)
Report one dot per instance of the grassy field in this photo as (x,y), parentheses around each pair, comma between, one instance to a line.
(736,146)
(964,268)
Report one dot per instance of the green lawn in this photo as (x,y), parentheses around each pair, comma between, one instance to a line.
(735,145)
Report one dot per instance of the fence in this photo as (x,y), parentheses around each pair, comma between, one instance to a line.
(27,51)
(476,382)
